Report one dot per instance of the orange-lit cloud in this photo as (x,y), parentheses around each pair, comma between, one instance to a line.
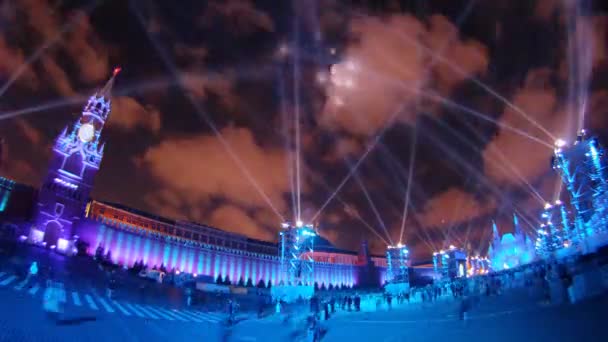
(199,168)
(128,114)
(241,16)
(386,66)
(524,158)
(234,219)
(452,207)
(11,60)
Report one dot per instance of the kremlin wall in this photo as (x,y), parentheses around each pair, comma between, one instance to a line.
(61,216)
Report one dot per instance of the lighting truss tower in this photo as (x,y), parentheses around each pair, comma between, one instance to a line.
(297,248)
(597,163)
(582,167)
(397,258)
(556,233)
(435,264)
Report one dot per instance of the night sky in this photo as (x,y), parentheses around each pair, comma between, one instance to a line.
(468,95)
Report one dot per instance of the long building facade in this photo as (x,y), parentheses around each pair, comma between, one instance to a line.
(64,216)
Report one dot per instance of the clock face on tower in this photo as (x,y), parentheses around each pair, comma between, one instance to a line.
(86,133)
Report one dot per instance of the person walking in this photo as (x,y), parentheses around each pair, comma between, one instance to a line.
(111,285)
(31,274)
(188,296)
(52,301)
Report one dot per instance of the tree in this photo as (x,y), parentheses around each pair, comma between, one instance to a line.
(316,286)
(241,282)
(261,284)
(330,287)
(249,282)
(218,280)
(269,285)
(323,288)
(227,280)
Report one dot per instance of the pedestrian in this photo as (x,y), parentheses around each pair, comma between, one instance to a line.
(33,271)
(188,296)
(111,285)
(52,301)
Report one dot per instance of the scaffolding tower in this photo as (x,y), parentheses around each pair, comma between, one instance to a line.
(297,248)
(397,258)
(582,167)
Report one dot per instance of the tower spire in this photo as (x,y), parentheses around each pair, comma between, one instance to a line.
(495,235)
(106,91)
(516,228)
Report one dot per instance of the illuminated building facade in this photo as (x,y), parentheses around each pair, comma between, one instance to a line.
(132,236)
(511,249)
(64,215)
(76,158)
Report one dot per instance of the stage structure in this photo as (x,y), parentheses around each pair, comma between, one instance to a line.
(582,167)
(297,265)
(397,258)
(451,263)
(478,266)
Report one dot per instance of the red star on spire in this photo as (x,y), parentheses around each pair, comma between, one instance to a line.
(116,71)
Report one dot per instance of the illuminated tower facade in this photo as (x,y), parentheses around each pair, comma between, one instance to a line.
(76,158)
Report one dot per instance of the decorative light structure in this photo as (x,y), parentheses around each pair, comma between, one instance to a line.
(440,264)
(478,265)
(552,224)
(567,163)
(6,188)
(435,264)
(397,259)
(297,248)
(582,167)
(444,263)
(450,263)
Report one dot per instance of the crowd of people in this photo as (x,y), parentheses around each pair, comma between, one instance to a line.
(553,280)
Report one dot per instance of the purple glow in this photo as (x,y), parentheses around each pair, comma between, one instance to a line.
(36,236)
(65,183)
(62,244)
(154,252)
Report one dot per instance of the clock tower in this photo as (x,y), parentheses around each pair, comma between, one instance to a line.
(75,160)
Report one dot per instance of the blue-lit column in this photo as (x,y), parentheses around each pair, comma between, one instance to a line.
(596,158)
(562,165)
(555,240)
(435,268)
(444,264)
(397,258)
